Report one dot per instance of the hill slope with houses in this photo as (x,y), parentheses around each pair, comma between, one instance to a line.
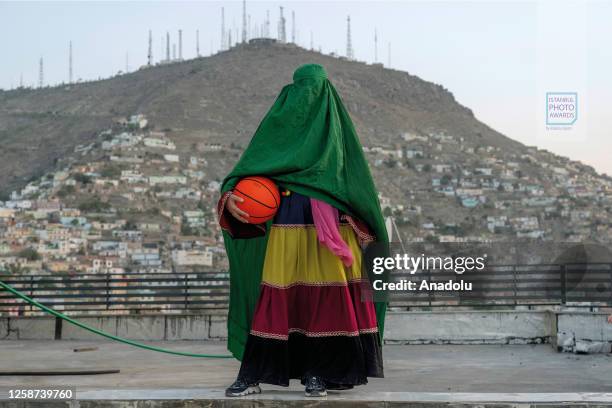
(123,174)
(219,99)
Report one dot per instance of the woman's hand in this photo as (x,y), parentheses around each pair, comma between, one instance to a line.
(234,210)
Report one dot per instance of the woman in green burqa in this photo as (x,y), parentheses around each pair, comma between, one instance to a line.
(298,297)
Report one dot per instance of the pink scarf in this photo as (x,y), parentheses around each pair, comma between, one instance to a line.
(327,224)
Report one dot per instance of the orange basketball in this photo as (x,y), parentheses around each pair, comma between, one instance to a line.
(261,198)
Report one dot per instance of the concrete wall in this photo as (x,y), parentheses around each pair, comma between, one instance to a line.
(583,332)
(575,331)
(468,327)
(155,327)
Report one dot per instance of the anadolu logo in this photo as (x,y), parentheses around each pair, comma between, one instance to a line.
(561,108)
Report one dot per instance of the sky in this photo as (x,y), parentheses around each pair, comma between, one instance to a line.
(498,58)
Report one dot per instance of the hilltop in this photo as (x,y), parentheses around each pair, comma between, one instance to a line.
(220,99)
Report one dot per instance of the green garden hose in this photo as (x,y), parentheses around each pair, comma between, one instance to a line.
(102,333)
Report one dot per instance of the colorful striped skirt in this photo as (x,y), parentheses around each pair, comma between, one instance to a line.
(310,318)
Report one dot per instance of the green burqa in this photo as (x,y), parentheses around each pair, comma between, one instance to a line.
(306,143)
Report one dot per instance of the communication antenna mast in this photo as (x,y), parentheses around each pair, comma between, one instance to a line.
(293,26)
(267,25)
(150,54)
(389,55)
(70,62)
(40,73)
(167,46)
(282,35)
(222,29)
(375,46)
(180,47)
(349,45)
(174,51)
(127,62)
(244,22)
(198,43)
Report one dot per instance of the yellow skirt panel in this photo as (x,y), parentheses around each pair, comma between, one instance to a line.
(295,256)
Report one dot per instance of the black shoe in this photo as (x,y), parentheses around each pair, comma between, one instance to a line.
(338,387)
(241,388)
(315,387)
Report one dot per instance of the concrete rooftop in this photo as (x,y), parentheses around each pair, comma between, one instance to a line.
(426,373)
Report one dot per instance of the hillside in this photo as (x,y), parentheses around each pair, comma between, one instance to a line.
(124,174)
(221,99)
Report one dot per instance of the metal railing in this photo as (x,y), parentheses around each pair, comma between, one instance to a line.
(588,285)
(124,293)
(578,285)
